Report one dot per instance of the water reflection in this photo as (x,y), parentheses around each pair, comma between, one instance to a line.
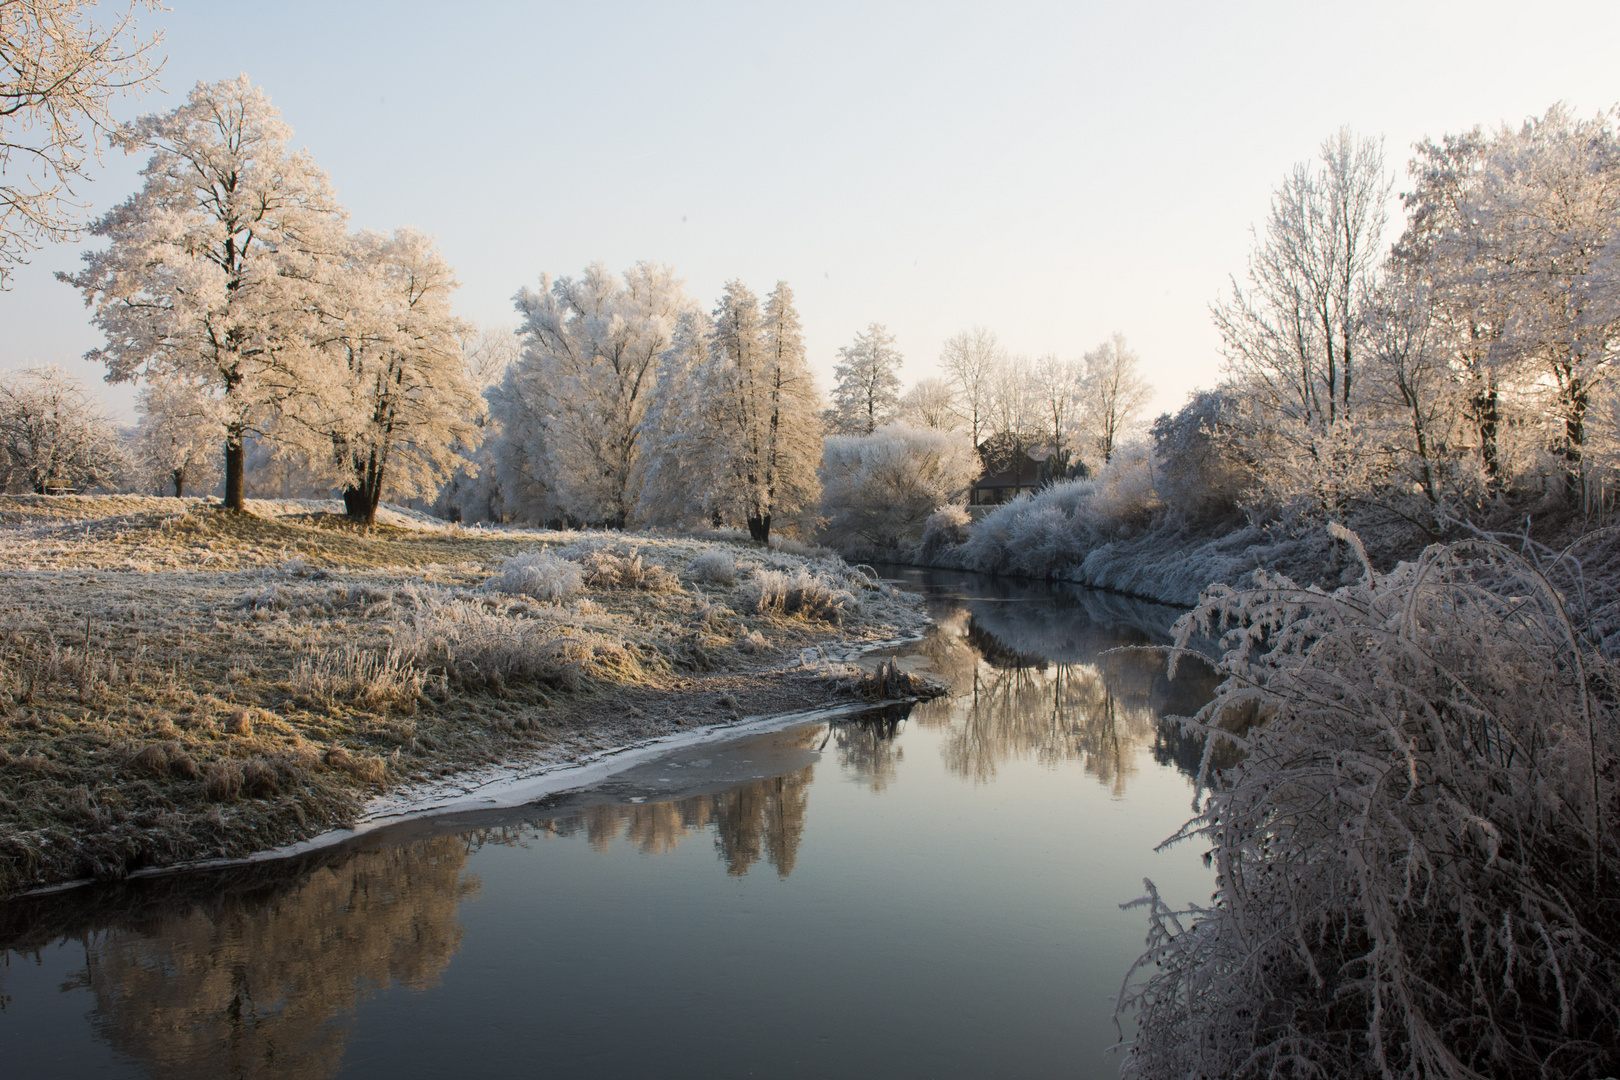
(762,818)
(263,981)
(1054,674)
(260,971)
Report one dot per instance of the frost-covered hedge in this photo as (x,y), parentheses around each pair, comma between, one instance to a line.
(1419,852)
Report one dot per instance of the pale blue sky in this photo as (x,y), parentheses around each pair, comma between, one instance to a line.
(1055,172)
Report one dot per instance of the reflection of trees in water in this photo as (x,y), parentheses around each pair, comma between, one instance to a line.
(762,818)
(1064,712)
(1046,678)
(867,750)
(263,985)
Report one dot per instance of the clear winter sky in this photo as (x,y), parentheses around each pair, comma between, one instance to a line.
(1054,172)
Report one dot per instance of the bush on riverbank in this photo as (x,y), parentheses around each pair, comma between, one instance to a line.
(1417,856)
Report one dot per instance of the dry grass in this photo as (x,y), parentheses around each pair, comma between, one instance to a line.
(178,682)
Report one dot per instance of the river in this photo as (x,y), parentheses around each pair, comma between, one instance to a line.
(924,894)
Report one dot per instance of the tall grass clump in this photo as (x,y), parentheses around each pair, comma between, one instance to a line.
(1418,858)
(541,575)
(800,592)
(716,566)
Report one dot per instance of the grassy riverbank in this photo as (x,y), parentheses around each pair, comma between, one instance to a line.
(178,682)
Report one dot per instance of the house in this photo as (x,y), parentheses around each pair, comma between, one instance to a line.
(1024,474)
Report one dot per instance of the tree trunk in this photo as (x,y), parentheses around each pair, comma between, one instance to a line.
(760,528)
(1488,411)
(355,504)
(235,469)
(360,500)
(179,478)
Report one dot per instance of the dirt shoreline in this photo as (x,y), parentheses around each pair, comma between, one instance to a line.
(180,685)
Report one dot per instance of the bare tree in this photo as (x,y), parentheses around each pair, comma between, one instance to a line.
(1115,393)
(932,403)
(1293,336)
(972,360)
(1057,386)
(59,73)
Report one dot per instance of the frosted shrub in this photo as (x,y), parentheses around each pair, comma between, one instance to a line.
(714,567)
(473,648)
(541,575)
(879,489)
(801,592)
(1416,852)
(1046,534)
(945,528)
(1123,494)
(606,570)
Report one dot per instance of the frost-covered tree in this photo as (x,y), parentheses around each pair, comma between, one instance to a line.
(879,490)
(736,420)
(396,410)
(866,392)
(931,403)
(52,436)
(1114,394)
(972,360)
(591,347)
(214,267)
(1015,417)
(473,492)
(178,434)
(487,352)
(60,71)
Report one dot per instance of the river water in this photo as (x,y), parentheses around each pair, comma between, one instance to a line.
(932,894)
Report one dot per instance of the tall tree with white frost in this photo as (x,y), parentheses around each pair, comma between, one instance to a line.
(867,393)
(214,265)
(736,417)
(771,413)
(972,359)
(589,369)
(398,410)
(52,436)
(177,437)
(1115,393)
(60,71)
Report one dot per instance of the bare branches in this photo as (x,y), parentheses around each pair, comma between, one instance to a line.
(60,72)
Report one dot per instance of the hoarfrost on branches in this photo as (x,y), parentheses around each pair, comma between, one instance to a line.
(1414,850)
(60,71)
(866,393)
(214,267)
(53,438)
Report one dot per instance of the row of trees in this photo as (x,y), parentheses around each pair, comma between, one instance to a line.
(1078,409)
(1462,366)
(232,286)
(629,403)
